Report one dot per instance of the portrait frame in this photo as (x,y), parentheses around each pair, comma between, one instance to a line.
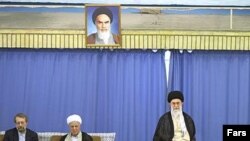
(91,35)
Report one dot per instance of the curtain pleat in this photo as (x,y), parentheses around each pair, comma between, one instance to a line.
(216,88)
(113,91)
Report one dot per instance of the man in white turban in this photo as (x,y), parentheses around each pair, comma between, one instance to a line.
(74,122)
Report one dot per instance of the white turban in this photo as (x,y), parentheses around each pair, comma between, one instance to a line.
(74,117)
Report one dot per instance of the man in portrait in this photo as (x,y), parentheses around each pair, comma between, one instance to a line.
(102,18)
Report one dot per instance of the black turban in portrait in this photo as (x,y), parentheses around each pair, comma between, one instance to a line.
(102,10)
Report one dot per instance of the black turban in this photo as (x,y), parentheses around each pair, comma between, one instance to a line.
(102,10)
(175,95)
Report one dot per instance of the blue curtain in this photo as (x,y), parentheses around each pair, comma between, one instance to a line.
(216,88)
(113,91)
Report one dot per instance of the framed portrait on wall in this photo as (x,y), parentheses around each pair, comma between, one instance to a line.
(103,25)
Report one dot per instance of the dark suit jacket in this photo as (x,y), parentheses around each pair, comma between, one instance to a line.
(12,135)
(85,137)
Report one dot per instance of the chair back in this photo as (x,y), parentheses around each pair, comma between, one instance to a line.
(96,138)
(1,137)
(55,138)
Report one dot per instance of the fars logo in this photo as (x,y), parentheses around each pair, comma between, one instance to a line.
(236,132)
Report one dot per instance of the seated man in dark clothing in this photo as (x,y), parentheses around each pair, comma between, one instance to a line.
(74,122)
(175,125)
(20,132)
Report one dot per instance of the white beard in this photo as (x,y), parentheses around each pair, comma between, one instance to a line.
(104,35)
(176,112)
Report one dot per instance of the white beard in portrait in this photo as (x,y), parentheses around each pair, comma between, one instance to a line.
(104,35)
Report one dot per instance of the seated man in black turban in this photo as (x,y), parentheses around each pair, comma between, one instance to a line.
(102,18)
(175,125)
